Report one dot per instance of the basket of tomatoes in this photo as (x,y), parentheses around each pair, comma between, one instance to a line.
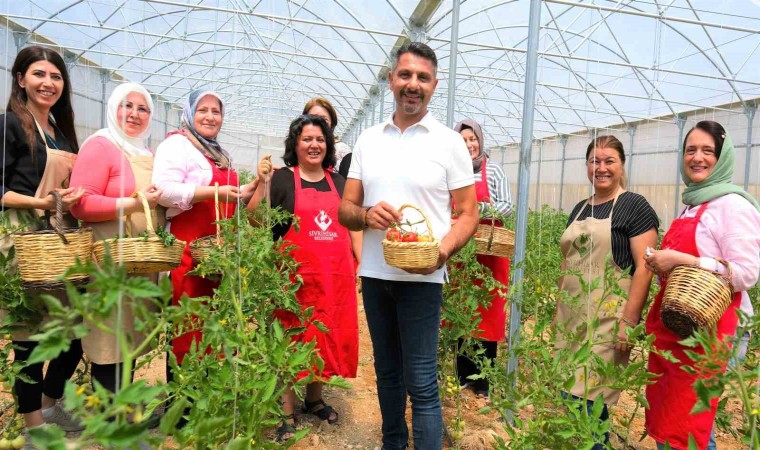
(405,249)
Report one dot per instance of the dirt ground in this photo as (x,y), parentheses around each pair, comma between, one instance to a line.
(360,422)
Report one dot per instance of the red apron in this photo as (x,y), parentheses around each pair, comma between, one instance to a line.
(322,247)
(493,321)
(188,226)
(672,397)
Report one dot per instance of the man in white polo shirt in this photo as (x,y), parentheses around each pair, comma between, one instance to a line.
(410,158)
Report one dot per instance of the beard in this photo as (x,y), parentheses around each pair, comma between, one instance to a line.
(411,108)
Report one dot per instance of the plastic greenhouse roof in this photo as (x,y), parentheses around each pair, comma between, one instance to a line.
(600,62)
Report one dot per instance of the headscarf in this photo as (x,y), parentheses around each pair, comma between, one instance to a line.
(718,183)
(471,124)
(114,132)
(209,147)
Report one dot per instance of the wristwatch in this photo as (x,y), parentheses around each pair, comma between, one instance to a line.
(365,211)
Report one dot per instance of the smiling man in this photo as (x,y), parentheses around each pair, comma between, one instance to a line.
(410,158)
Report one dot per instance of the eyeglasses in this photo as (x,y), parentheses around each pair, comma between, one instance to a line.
(129,108)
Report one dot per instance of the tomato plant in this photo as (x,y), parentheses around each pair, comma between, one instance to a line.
(231,397)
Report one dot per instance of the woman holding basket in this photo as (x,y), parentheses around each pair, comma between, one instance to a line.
(189,164)
(39,149)
(720,221)
(492,190)
(115,164)
(323,248)
(612,227)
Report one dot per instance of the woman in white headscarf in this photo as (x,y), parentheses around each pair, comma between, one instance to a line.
(113,165)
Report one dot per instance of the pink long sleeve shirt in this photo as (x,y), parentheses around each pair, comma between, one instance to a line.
(104,173)
(730,229)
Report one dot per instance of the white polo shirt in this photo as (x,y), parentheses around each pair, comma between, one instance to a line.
(419,166)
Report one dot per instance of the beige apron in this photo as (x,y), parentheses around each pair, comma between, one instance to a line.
(102,347)
(587,245)
(57,173)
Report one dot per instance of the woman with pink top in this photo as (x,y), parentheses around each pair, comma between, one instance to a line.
(188,165)
(720,221)
(113,165)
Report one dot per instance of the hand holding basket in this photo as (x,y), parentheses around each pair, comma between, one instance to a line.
(44,256)
(493,239)
(412,255)
(201,248)
(141,255)
(695,298)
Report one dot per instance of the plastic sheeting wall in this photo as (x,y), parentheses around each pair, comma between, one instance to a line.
(651,168)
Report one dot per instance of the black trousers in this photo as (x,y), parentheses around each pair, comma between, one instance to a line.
(108,374)
(467,367)
(60,369)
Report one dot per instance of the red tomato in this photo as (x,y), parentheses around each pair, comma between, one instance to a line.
(393,235)
(409,237)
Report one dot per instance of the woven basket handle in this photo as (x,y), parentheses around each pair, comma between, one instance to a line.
(148,217)
(493,225)
(730,272)
(216,212)
(57,224)
(427,222)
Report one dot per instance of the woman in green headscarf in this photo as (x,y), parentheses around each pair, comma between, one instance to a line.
(720,221)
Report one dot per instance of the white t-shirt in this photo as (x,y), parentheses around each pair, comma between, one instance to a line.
(419,166)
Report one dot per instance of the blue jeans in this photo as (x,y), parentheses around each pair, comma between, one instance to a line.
(404,319)
(741,353)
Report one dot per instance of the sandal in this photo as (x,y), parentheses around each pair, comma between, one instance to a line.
(321,410)
(286,431)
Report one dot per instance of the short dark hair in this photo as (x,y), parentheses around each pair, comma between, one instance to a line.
(608,141)
(712,128)
(419,49)
(294,133)
(324,103)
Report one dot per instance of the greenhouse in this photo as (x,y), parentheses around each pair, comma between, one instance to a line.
(547,81)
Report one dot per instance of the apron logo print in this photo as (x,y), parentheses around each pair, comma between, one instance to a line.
(583,244)
(322,220)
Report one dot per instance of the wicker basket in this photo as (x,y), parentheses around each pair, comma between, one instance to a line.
(412,255)
(495,240)
(141,255)
(695,298)
(44,256)
(201,248)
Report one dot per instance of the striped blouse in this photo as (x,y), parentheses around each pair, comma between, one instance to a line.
(632,216)
(498,189)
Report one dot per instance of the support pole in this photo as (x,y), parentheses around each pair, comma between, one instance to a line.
(631,134)
(749,109)
(382,100)
(523,183)
(563,142)
(680,123)
(374,108)
(104,78)
(537,204)
(258,150)
(453,53)
(167,108)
